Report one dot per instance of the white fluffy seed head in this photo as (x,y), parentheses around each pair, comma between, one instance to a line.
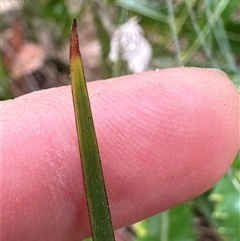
(129,42)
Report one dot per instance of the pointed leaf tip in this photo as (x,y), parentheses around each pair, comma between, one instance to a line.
(74,44)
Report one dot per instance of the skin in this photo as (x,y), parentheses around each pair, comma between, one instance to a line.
(164,137)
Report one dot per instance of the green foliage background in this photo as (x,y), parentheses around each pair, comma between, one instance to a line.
(182,33)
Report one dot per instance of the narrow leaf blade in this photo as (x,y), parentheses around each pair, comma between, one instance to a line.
(98,208)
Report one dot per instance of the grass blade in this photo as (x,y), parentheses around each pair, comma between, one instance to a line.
(99,213)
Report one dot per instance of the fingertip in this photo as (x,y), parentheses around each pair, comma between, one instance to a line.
(164,136)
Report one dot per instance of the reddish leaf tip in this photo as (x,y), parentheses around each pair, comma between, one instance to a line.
(74,44)
(74,25)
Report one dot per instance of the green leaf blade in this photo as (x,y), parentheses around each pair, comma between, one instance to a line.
(98,208)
